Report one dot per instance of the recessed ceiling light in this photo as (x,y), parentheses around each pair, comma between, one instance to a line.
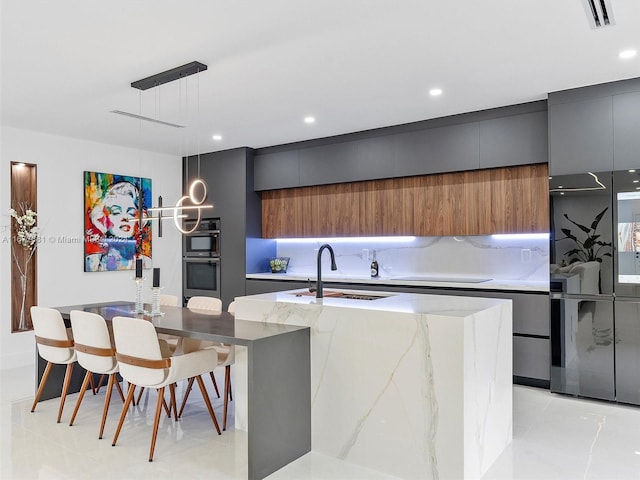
(434,92)
(632,171)
(217,137)
(636,181)
(560,186)
(625,54)
(309,119)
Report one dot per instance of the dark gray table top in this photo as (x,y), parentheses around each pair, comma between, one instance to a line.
(186,322)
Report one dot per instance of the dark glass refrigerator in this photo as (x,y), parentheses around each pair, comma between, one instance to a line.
(595,285)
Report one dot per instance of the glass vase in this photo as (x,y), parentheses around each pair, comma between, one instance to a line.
(139,308)
(155,302)
(22,323)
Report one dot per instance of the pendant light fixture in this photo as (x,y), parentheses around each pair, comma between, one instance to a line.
(198,188)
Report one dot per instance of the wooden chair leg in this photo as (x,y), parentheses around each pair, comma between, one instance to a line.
(100,380)
(140,394)
(132,387)
(156,422)
(107,399)
(93,385)
(83,388)
(118,387)
(166,407)
(186,395)
(227,394)
(172,393)
(43,381)
(123,415)
(65,388)
(215,385)
(205,395)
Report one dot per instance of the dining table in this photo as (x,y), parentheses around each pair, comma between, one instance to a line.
(278,374)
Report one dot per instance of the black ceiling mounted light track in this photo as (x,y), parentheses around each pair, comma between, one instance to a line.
(196,200)
(169,76)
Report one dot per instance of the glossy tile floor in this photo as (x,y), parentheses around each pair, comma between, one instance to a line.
(555,437)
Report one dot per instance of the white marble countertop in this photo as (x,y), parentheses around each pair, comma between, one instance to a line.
(389,301)
(446,281)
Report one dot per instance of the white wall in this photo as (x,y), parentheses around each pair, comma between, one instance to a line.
(61,280)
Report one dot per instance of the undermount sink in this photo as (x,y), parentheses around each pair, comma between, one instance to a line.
(430,278)
(346,295)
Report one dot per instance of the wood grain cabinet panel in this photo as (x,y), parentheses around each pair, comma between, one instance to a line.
(481,202)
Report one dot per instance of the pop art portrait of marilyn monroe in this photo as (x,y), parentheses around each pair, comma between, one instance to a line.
(113,235)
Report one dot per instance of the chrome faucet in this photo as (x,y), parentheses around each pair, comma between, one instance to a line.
(333,267)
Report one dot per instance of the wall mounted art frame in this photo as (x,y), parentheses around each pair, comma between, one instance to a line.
(114,234)
(24,260)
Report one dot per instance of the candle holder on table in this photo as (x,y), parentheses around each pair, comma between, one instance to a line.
(139,308)
(155,302)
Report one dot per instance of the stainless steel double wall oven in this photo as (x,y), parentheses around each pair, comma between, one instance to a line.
(201,259)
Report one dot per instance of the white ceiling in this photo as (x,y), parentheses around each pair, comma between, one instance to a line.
(353,64)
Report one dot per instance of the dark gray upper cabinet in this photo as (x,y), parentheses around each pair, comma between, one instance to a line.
(229,180)
(514,140)
(444,149)
(626,130)
(350,161)
(580,135)
(276,170)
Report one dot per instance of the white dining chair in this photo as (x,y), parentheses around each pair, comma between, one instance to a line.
(169,344)
(96,354)
(205,303)
(226,358)
(141,364)
(210,305)
(55,345)
(172,341)
(168,300)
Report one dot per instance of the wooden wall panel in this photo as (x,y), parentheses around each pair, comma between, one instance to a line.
(479,202)
(23,193)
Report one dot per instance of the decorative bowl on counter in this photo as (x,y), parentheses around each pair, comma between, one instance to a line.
(279,264)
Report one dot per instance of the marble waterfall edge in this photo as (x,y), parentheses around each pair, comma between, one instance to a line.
(417,386)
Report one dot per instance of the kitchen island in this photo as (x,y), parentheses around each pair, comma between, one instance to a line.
(417,386)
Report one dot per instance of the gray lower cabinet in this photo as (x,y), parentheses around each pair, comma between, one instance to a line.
(531,328)
(580,135)
(531,360)
(256,287)
(627,351)
(626,131)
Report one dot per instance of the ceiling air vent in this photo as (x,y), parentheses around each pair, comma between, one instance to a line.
(599,13)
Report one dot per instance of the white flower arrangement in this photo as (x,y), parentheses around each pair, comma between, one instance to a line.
(26,231)
(27,234)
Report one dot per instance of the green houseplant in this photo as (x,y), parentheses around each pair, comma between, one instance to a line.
(591,248)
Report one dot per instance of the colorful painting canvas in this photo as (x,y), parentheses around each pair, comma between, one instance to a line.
(114,235)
